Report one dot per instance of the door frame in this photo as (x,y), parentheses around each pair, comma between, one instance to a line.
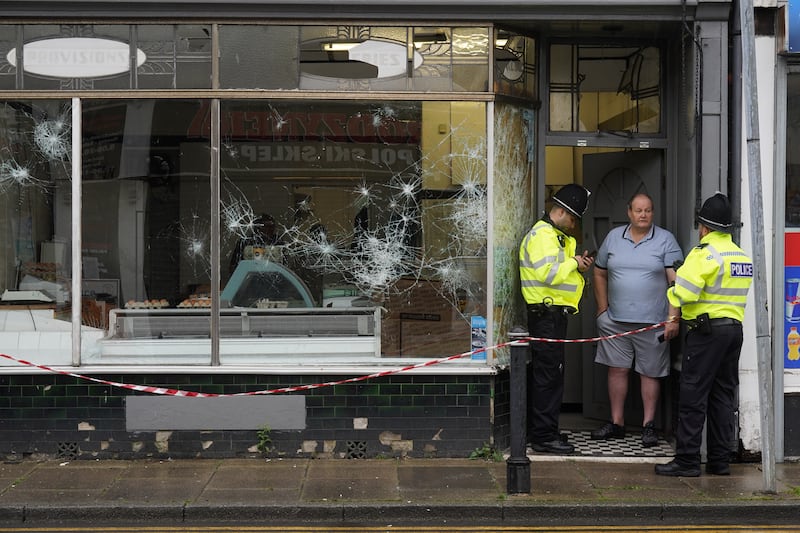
(649,164)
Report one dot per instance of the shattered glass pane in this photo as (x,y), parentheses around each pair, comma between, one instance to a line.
(369,204)
(146,203)
(514,214)
(35,230)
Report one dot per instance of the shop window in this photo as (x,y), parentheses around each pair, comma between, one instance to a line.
(348,228)
(331,58)
(35,233)
(602,88)
(514,64)
(354,58)
(9,37)
(177,57)
(370,205)
(105,57)
(792,156)
(145,223)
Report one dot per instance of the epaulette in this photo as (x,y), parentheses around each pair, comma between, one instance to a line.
(701,245)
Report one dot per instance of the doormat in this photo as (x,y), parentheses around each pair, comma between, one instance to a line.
(630,446)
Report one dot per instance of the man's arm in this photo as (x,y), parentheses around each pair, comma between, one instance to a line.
(672,328)
(601,289)
(542,253)
(689,280)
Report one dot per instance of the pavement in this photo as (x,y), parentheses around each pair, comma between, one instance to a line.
(340,492)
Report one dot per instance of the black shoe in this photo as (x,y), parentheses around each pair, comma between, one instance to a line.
(649,435)
(609,431)
(718,469)
(563,437)
(675,469)
(553,446)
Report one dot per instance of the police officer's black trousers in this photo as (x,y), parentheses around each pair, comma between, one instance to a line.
(545,373)
(709,377)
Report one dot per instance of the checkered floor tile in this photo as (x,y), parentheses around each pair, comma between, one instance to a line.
(630,446)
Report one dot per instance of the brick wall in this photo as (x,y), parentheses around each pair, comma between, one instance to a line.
(416,416)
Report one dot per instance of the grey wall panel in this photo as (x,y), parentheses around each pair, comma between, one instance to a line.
(155,413)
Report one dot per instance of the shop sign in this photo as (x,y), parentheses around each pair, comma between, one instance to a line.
(370,59)
(390,58)
(329,154)
(76,57)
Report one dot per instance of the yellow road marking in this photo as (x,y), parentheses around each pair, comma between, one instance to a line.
(407,529)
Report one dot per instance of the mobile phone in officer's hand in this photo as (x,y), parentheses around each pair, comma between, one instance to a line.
(593,253)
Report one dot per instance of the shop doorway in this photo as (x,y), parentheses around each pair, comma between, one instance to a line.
(613,178)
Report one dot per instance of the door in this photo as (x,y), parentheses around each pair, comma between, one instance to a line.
(613,178)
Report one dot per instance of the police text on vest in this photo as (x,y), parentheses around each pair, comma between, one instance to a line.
(741,270)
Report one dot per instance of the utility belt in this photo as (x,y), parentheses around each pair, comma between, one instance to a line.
(547,308)
(703,324)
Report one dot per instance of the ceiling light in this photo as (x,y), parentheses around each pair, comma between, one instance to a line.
(340,46)
(423,39)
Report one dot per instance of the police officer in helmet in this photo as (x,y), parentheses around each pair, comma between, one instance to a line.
(551,278)
(711,290)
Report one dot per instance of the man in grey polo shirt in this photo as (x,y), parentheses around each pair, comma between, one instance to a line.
(631,274)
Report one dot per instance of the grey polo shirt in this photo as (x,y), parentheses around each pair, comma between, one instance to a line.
(637,282)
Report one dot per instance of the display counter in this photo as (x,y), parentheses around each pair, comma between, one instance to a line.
(175,323)
(247,335)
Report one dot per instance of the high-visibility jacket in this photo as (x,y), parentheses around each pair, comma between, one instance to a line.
(714,279)
(548,270)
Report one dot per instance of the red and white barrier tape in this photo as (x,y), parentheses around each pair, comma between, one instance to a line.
(297,388)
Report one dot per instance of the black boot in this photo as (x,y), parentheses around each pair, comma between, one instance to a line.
(675,469)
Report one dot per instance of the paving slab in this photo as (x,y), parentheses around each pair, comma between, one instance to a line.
(72,475)
(731,487)
(11,472)
(247,475)
(352,469)
(456,481)
(363,480)
(342,489)
(165,482)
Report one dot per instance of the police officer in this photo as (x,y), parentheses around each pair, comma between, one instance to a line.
(711,290)
(552,284)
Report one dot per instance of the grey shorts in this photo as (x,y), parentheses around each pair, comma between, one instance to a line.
(642,351)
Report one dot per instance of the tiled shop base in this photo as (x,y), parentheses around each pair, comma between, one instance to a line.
(630,446)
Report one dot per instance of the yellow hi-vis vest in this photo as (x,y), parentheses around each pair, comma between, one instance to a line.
(548,271)
(714,279)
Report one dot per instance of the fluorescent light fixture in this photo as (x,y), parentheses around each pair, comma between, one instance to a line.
(501,42)
(422,39)
(340,46)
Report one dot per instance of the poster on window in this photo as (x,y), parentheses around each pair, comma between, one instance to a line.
(794,26)
(791,315)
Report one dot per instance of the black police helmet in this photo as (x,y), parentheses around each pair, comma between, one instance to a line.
(573,198)
(716,213)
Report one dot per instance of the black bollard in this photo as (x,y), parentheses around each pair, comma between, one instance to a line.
(518,465)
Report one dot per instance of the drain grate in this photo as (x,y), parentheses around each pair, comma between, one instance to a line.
(67,450)
(356,449)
